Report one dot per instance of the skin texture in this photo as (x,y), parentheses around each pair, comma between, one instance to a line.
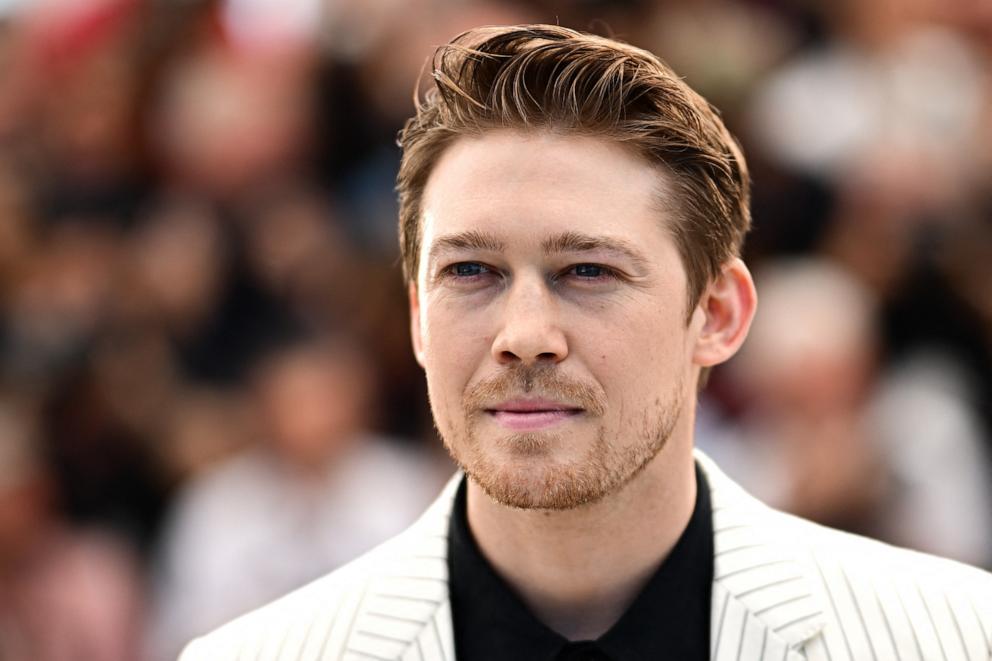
(549,316)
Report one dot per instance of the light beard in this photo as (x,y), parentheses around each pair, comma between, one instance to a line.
(520,470)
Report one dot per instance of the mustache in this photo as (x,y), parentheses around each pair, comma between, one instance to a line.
(545,381)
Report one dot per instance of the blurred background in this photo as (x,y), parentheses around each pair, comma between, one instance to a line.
(207,395)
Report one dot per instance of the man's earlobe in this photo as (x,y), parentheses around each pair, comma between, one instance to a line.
(415,336)
(727,306)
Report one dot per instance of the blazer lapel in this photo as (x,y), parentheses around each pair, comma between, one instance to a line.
(765,602)
(404,611)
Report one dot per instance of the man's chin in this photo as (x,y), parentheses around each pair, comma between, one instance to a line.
(549,487)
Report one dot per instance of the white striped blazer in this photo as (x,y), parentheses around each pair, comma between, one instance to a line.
(784,589)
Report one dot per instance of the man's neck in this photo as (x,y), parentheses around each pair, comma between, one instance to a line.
(579,570)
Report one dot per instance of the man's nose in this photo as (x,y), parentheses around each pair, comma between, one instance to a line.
(530,329)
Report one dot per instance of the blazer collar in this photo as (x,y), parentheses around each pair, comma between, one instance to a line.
(403,611)
(765,602)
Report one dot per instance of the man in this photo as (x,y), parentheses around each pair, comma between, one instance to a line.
(571,215)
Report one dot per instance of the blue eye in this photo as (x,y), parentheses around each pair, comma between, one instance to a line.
(467,269)
(591,271)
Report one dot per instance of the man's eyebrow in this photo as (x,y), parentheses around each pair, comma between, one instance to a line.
(567,242)
(470,240)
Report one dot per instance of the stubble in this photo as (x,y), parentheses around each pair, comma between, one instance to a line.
(520,470)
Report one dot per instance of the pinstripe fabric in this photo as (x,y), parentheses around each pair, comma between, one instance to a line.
(784,590)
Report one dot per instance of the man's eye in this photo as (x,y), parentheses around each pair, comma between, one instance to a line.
(467,269)
(591,271)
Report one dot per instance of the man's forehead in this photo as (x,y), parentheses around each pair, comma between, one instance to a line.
(554,165)
(547,168)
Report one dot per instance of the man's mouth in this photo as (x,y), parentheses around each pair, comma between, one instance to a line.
(523,415)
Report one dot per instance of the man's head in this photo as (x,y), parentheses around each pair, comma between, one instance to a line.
(570,218)
(545,77)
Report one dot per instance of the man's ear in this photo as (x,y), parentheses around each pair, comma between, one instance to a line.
(727,307)
(418,343)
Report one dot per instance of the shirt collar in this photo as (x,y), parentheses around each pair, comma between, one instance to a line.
(670,618)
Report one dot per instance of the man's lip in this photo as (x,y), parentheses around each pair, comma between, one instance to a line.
(533,406)
(532,415)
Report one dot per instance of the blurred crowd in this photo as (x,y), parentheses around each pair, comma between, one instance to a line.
(207,395)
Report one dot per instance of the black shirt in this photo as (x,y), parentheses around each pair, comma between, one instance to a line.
(669,619)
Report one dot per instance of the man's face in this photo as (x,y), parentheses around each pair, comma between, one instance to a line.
(549,315)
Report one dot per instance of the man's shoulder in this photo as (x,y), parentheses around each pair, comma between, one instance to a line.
(897,602)
(736,511)
(847,593)
(375,604)
(290,618)
(877,563)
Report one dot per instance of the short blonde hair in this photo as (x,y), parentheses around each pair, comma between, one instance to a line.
(550,77)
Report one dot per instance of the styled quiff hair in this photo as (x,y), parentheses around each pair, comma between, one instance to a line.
(546,77)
